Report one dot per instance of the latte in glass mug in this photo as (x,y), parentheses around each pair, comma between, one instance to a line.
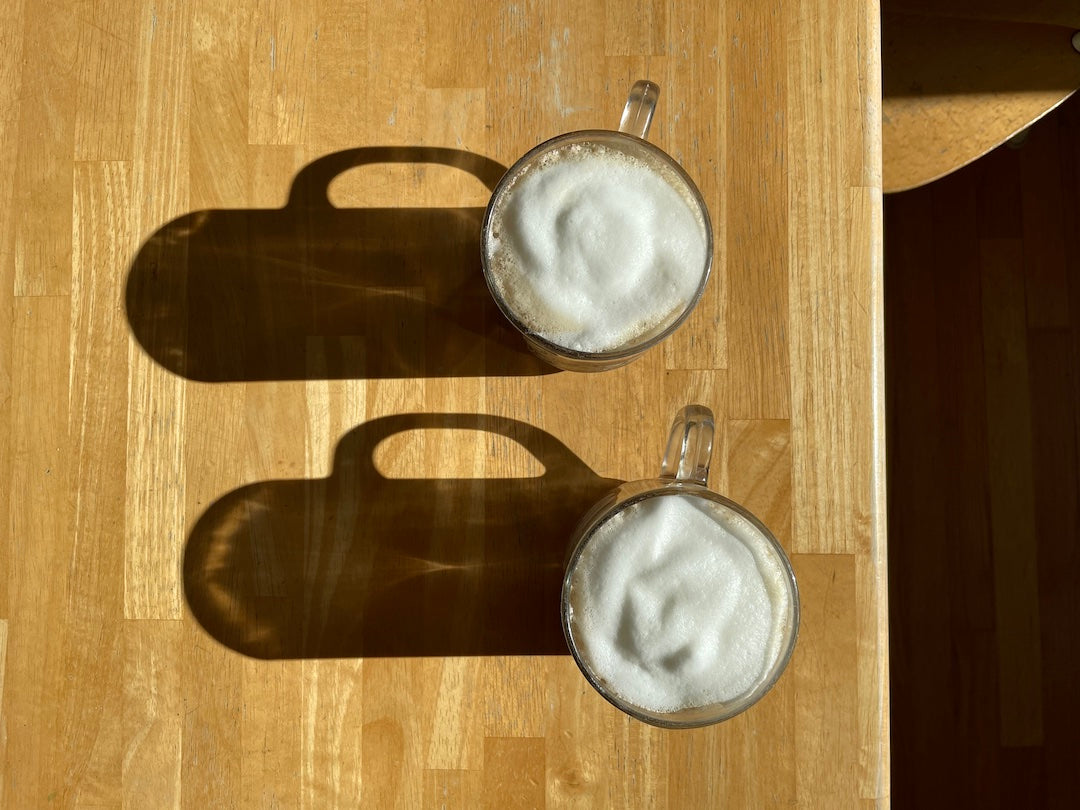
(679,606)
(597,244)
(678,602)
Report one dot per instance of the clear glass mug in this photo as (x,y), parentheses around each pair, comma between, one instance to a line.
(629,140)
(623,606)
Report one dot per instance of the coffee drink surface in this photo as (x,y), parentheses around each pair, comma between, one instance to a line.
(677,602)
(596,249)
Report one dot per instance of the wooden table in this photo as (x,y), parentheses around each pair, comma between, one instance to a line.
(286,498)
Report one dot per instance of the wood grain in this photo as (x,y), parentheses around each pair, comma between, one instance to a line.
(758,258)
(42,184)
(287,502)
(1012,498)
(154,717)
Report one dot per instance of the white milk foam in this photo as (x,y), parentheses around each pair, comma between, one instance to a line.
(595,249)
(670,609)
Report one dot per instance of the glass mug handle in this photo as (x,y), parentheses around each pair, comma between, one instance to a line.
(640,106)
(689,446)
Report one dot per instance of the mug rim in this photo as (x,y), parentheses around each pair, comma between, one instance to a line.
(663,488)
(632,350)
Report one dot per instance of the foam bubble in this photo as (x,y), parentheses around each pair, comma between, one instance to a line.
(594,248)
(678,602)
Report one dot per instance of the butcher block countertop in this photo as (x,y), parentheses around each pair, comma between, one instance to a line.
(287,499)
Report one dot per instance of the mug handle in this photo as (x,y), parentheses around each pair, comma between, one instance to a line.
(689,446)
(640,105)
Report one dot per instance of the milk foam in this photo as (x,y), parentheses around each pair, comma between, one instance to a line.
(595,249)
(670,609)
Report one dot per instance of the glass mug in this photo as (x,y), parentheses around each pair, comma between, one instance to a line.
(636,219)
(679,606)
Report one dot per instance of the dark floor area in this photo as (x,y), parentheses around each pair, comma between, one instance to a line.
(982,291)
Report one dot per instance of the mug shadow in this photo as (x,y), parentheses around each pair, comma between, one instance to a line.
(312,291)
(360,565)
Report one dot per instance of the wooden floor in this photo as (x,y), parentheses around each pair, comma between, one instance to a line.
(983,378)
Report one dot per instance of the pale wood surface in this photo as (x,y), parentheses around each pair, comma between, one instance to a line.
(963,77)
(251,556)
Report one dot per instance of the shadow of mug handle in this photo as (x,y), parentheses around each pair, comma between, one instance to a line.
(233,295)
(384,593)
(560,463)
(311,184)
